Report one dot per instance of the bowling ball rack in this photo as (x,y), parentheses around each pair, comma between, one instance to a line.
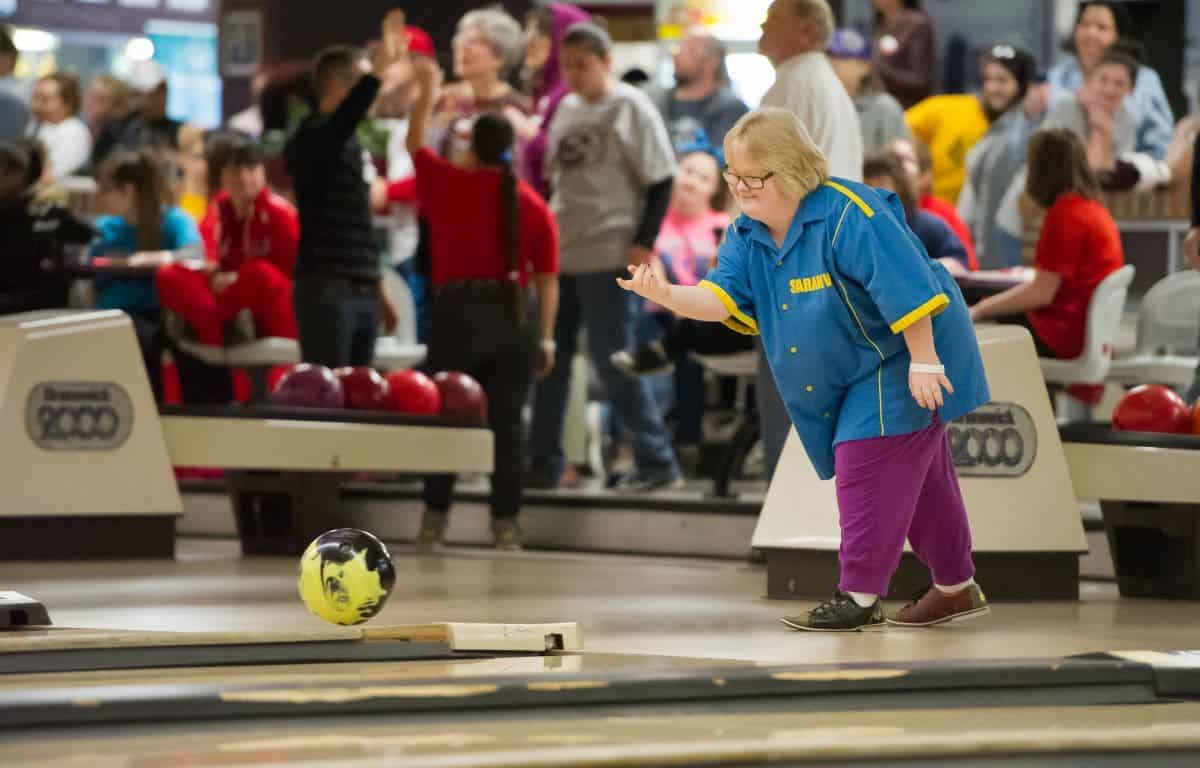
(278,512)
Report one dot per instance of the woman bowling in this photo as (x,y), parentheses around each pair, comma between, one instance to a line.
(490,236)
(873,351)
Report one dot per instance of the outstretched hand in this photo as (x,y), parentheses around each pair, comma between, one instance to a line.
(645,283)
(428,76)
(927,388)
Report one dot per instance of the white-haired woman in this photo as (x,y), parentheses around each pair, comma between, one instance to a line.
(488,45)
(845,299)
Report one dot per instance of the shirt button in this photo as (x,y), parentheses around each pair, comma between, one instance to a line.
(792,350)
(809,388)
(827,416)
(779,263)
(785,307)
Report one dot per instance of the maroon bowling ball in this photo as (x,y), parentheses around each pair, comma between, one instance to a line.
(462,397)
(309,386)
(1152,408)
(365,389)
(414,392)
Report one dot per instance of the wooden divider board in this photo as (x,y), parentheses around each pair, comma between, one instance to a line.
(533,638)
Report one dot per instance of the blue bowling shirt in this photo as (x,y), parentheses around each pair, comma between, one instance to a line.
(831,306)
(118,237)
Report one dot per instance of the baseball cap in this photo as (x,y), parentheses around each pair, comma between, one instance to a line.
(847,43)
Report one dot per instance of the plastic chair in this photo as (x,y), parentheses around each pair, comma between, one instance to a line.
(1103,322)
(392,353)
(1168,324)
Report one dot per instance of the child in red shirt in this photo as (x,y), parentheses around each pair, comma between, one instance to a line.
(251,236)
(1078,247)
(490,236)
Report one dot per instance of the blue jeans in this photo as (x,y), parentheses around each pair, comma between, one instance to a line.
(596,302)
(684,389)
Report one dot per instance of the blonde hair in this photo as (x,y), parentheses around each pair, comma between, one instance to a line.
(777,139)
(820,14)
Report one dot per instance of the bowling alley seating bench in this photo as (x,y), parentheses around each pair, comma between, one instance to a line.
(1148,486)
(285,466)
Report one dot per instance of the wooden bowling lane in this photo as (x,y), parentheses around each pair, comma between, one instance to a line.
(625,605)
(351,674)
(1159,735)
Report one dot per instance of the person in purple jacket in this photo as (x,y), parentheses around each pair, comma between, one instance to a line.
(542,73)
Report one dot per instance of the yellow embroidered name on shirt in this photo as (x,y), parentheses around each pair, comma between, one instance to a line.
(815,283)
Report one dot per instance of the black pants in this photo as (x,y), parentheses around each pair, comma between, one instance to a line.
(474,330)
(1043,349)
(337,319)
(686,336)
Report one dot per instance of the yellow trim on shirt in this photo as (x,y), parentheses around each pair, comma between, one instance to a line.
(878,351)
(931,307)
(853,197)
(738,320)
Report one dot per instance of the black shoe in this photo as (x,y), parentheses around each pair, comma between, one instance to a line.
(647,360)
(536,480)
(839,614)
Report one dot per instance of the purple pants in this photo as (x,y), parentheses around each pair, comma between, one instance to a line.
(893,488)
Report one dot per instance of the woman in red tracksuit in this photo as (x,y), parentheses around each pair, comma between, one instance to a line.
(490,236)
(251,237)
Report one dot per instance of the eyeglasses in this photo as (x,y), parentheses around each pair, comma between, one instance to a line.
(753,183)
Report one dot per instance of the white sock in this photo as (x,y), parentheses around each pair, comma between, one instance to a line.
(954,588)
(863,599)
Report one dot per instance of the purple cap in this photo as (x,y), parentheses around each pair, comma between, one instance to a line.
(847,43)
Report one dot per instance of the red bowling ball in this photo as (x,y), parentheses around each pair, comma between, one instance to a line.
(1196,417)
(309,386)
(365,389)
(414,392)
(1152,408)
(462,397)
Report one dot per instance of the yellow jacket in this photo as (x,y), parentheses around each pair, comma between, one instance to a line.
(950,125)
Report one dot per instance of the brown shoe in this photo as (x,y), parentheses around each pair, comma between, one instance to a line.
(936,607)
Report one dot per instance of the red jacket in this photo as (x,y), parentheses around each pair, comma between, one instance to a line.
(272,232)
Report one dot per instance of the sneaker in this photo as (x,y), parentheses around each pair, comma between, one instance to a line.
(433,528)
(636,482)
(933,606)
(507,534)
(838,614)
(647,360)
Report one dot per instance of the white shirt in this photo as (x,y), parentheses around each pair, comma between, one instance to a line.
(404,233)
(807,86)
(68,145)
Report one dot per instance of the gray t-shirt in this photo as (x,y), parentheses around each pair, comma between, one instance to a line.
(881,119)
(991,166)
(701,124)
(602,156)
(1071,115)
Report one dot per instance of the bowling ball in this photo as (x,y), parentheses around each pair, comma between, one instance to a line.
(462,397)
(365,389)
(1152,408)
(414,392)
(309,386)
(346,576)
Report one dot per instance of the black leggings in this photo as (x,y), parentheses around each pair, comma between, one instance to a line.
(474,330)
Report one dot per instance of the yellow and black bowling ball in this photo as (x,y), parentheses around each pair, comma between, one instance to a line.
(346,576)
